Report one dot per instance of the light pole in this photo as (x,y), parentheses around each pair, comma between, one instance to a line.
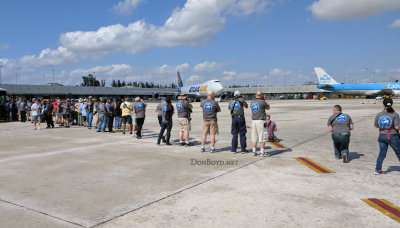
(53,76)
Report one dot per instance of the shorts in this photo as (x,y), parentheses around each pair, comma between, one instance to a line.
(59,116)
(35,117)
(210,127)
(184,124)
(257,131)
(126,119)
(65,116)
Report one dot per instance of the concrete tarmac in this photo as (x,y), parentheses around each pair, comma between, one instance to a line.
(77,177)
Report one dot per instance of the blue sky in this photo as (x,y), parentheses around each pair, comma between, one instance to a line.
(237,41)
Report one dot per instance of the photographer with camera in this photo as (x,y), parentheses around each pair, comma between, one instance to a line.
(238,122)
(184,110)
(258,116)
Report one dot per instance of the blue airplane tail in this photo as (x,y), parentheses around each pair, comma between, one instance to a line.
(323,77)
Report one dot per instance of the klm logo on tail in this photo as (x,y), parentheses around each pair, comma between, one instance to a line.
(325,77)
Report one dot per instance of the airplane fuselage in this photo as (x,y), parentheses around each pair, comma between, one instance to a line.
(201,90)
(362,89)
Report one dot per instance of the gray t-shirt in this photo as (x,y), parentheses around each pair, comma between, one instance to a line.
(386,121)
(140,109)
(340,123)
(66,111)
(237,107)
(167,111)
(210,109)
(258,108)
(159,108)
(184,108)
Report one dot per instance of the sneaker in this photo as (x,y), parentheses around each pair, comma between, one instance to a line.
(182,144)
(255,153)
(188,144)
(39,128)
(34,128)
(345,158)
(243,151)
(378,172)
(262,155)
(158,144)
(202,150)
(168,144)
(123,132)
(212,150)
(130,133)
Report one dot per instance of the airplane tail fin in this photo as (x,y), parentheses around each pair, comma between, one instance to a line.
(323,77)
(180,83)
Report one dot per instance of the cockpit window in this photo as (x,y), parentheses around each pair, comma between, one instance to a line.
(216,80)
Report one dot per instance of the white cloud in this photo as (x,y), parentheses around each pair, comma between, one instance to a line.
(247,7)
(395,24)
(167,69)
(345,9)
(208,67)
(195,24)
(127,6)
(193,78)
(4,46)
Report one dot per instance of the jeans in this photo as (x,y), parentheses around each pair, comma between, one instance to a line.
(168,126)
(341,144)
(383,140)
(102,122)
(23,116)
(139,123)
(238,127)
(117,119)
(89,116)
(110,122)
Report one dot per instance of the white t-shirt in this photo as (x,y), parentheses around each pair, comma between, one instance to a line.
(36,111)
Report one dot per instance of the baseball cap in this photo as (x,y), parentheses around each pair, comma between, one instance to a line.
(387,102)
(237,93)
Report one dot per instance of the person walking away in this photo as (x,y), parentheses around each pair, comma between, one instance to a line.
(340,125)
(48,113)
(110,116)
(140,111)
(96,112)
(271,129)
(210,125)
(388,122)
(60,111)
(167,112)
(126,108)
(102,110)
(35,114)
(159,117)
(184,117)
(238,126)
(258,116)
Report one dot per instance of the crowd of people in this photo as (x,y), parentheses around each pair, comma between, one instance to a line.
(126,115)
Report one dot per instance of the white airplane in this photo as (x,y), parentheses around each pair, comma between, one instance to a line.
(201,90)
